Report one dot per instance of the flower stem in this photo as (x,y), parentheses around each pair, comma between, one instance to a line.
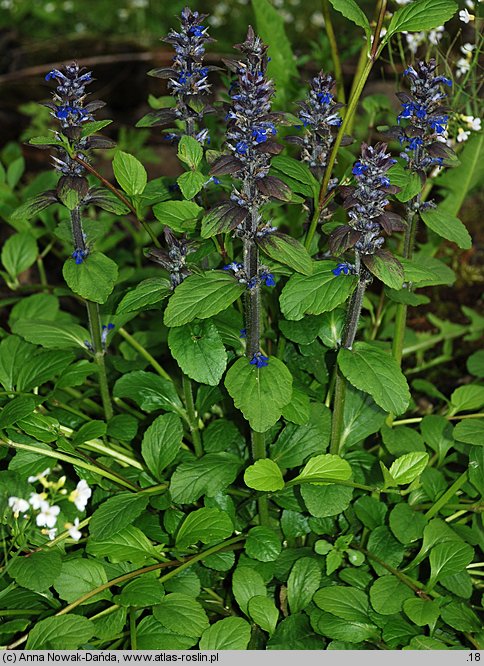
(95,326)
(192,416)
(259,452)
(144,353)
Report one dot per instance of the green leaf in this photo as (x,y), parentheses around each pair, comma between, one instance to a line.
(116,513)
(206,525)
(422,611)
(93,127)
(334,627)
(46,141)
(296,171)
(151,635)
(203,476)
(351,11)
(326,500)
(191,183)
(247,583)
(467,398)
(130,173)
(383,544)
(32,207)
(376,372)
(298,411)
(470,431)
(386,268)
(325,467)
(459,616)
(446,225)
(199,351)
(295,633)
(231,633)
(282,67)
(320,292)
(43,367)
(287,250)
(362,417)
(190,151)
(149,391)
(263,612)
(180,612)
(407,525)
(80,576)
(50,335)
(408,182)
(263,544)
(297,442)
(406,468)
(421,15)
(147,293)
(19,252)
(370,511)
(202,296)
(427,272)
(303,581)
(388,594)
(38,571)
(448,558)
(475,363)
(88,431)
(64,632)
(161,443)
(141,593)
(461,180)
(178,215)
(94,279)
(260,393)
(264,475)
(348,603)
(16,409)
(127,545)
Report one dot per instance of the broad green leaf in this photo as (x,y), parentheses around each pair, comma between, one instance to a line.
(427,272)
(437,433)
(264,475)
(208,525)
(87,431)
(141,592)
(446,225)
(31,208)
(470,431)
(320,292)
(296,171)
(263,612)
(149,391)
(388,594)
(362,417)
(16,409)
(408,182)
(387,269)
(178,215)
(334,627)
(459,616)
(152,635)
(374,371)
(180,612)
(475,363)
(37,306)
(422,612)
(129,172)
(325,467)
(50,335)
(231,633)
(247,583)
(351,11)
(295,633)
(303,581)
(38,571)
(263,544)
(260,393)
(43,367)
(191,183)
(203,476)
(345,602)
(467,398)
(287,250)
(199,351)
(326,500)
(93,127)
(127,545)
(94,279)
(426,643)
(406,468)
(161,443)
(190,151)
(19,252)
(449,558)
(64,632)
(79,576)
(298,411)
(202,296)
(146,294)
(421,15)
(297,442)
(282,68)
(370,511)
(461,180)
(407,525)
(401,440)
(303,331)
(116,513)
(383,544)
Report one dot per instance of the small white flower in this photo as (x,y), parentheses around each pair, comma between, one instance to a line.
(470,4)
(42,475)
(383,32)
(474,123)
(436,35)
(414,40)
(36,500)
(462,135)
(80,495)
(465,17)
(48,515)
(467,48)
(73,530)
(317,19)
(403,2)
(51,533)
(18,505)
(463,66)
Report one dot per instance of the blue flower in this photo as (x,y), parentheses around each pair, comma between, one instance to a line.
(54,74)
(234,266)
(259,360)
(438,124)
(359,169)
(325,97)
(241,147)
(268,278)
(79,255)
(197,30)
(344,267)
(385,181)
(444,80)
(105,333)
(414,143)
(243,333)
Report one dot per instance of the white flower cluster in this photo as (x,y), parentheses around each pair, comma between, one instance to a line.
(48,513)
(472,124)
(416,39)
(464,63)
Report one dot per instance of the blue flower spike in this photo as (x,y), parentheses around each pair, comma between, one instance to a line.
(259,360)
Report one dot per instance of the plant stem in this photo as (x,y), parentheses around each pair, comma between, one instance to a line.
(338,72)
(351,326)
(144,353)
(259,452)
(95,326)
(192,416)
(450,492)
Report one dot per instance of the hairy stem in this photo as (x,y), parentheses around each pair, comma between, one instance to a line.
(192,416)
(95,326)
